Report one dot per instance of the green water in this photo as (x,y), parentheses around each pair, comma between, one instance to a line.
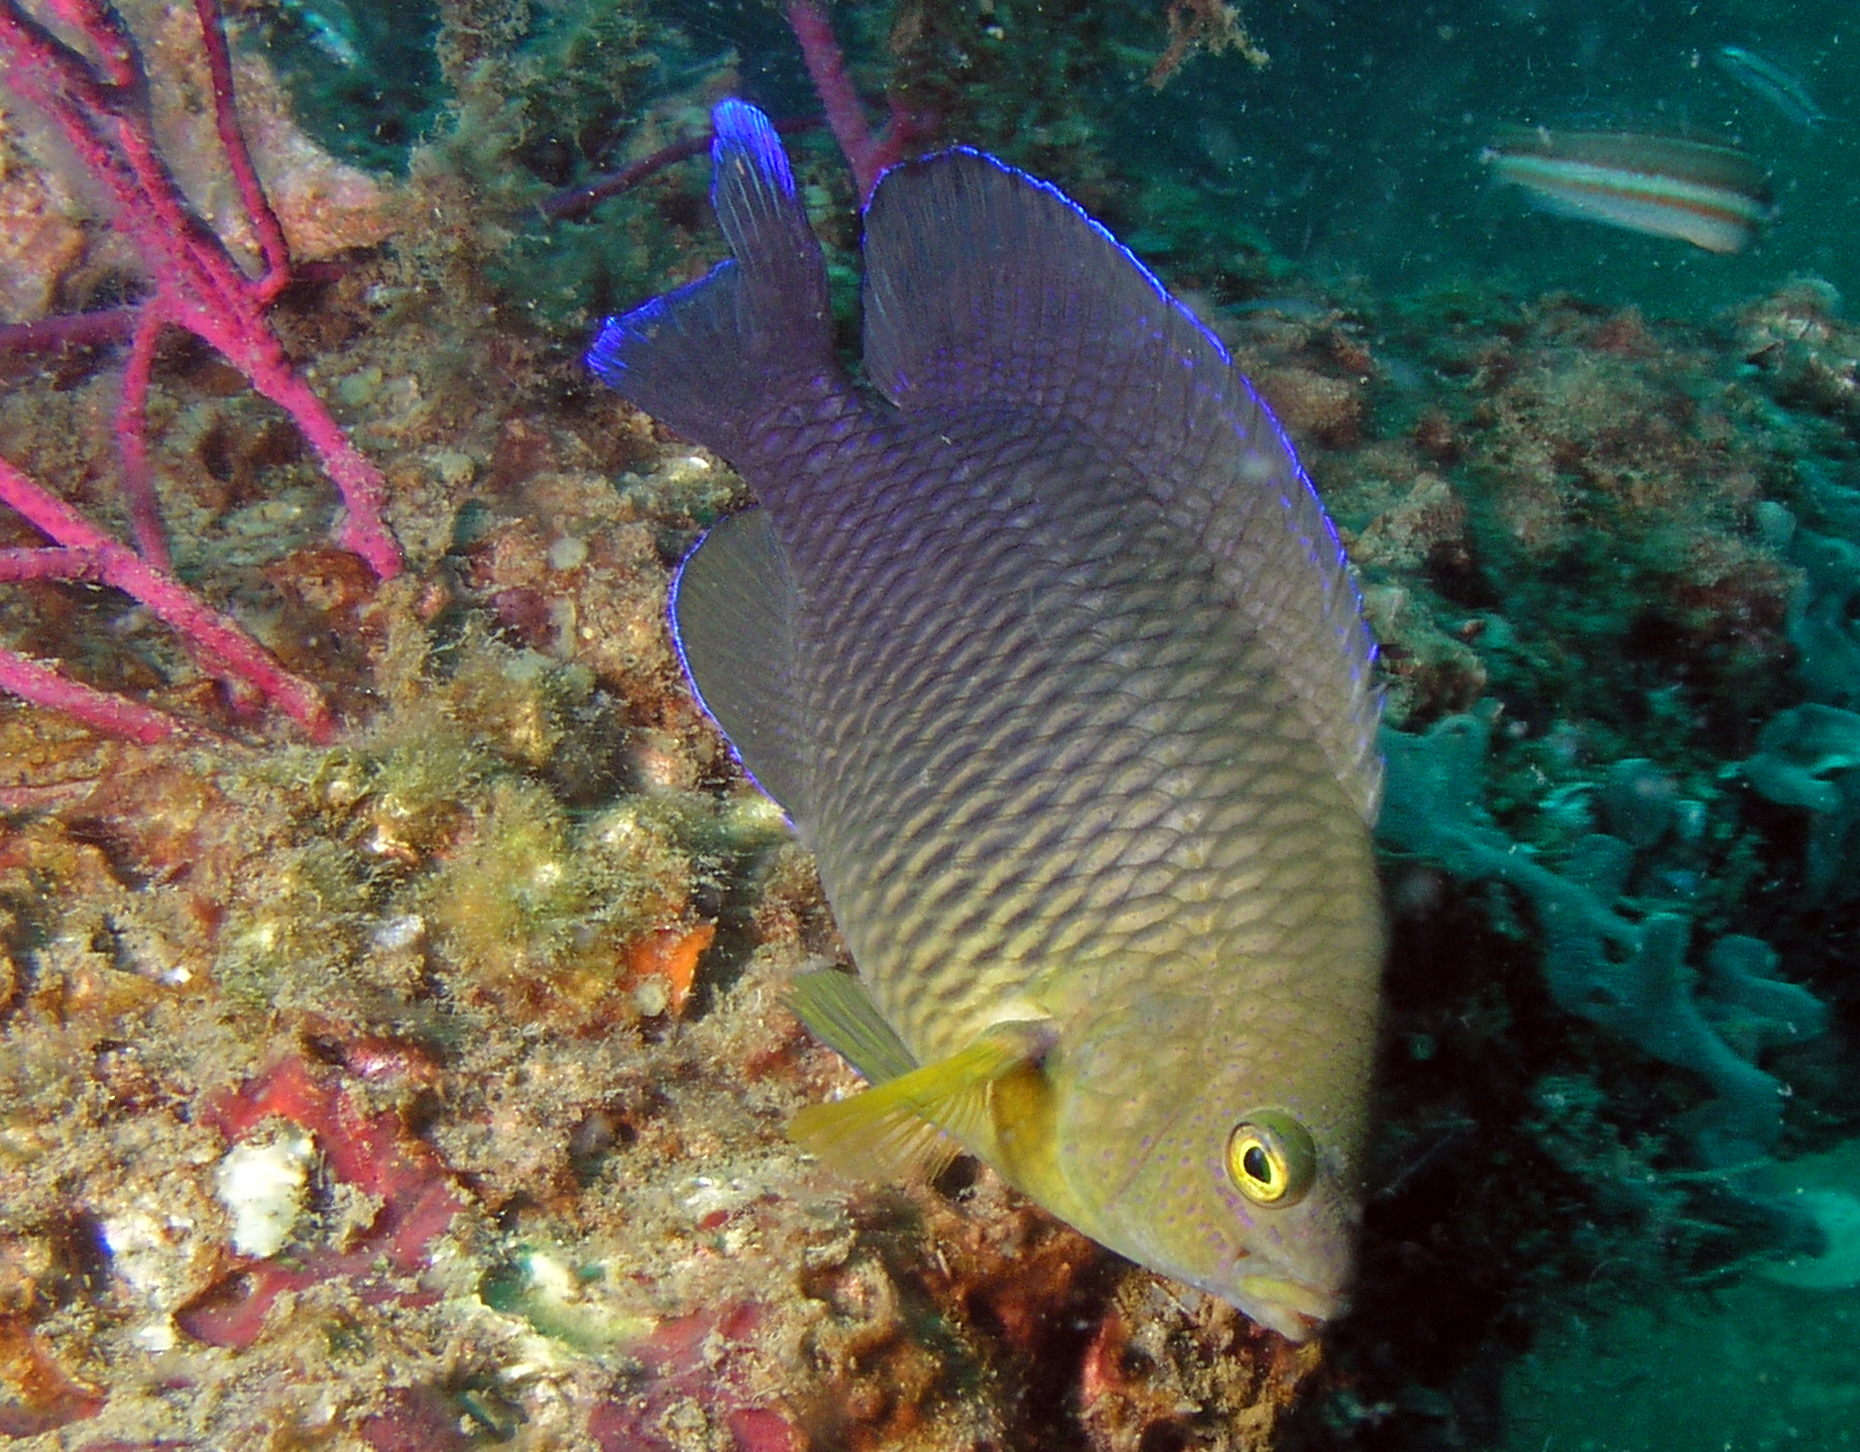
(1357,147)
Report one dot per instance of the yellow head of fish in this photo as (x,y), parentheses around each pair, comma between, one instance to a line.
(1211,1157)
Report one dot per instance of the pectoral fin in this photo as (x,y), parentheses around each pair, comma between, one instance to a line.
(912,1126)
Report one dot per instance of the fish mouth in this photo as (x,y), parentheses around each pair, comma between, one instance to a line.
(1295,1310)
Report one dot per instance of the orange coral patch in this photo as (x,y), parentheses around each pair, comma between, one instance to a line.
(671,955)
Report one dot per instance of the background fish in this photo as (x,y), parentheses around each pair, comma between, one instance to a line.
(1054,661)
(1761,76)
(1712,196)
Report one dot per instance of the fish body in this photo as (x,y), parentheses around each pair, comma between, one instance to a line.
(1783,89)
(1054,661)
(329,26)
(1712,196)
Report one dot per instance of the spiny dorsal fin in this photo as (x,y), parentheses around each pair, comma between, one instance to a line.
(733,610)
(911,1127)
(984,285)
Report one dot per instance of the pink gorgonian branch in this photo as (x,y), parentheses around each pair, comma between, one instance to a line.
(44,685)
(102,107)
(577,202)
(866,154)
(217,643)
(67,330)
(108,715)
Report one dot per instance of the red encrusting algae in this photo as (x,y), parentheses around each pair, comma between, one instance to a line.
(372,1153)
(699,1356)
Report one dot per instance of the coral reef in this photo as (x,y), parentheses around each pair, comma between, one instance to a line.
(102,108)
(1806,353)
(424,1086)
(1578,476)
(53,255)
(1628,976)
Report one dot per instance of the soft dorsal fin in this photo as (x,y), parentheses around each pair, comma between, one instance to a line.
(733,612)
(985,285)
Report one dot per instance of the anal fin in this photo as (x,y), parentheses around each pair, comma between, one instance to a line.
(733,612)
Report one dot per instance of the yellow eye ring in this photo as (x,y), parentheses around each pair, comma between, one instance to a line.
(1270,1158)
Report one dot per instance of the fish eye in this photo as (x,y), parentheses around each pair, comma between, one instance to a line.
(1270,1158)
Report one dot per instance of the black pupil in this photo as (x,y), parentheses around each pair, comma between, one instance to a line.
(1257,1166)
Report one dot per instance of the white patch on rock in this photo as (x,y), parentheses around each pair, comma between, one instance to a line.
(263,1184)
(148,1251)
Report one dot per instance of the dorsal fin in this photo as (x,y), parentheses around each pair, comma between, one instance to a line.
(985,285)
(733,612)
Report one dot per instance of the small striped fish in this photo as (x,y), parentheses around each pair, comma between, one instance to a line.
(1761,76)
(1710,195)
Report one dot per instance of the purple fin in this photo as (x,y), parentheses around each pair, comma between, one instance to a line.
(733,609)
(704,358)
(985,286)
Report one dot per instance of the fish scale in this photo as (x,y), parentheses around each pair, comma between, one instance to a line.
(1013,843)
(1052,658)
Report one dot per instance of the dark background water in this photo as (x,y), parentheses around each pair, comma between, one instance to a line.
(1357,148)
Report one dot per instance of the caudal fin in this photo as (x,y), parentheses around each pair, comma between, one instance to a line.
(702,359)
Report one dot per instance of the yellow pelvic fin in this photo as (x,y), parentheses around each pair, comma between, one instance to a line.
(912,1126)
(840,1013)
